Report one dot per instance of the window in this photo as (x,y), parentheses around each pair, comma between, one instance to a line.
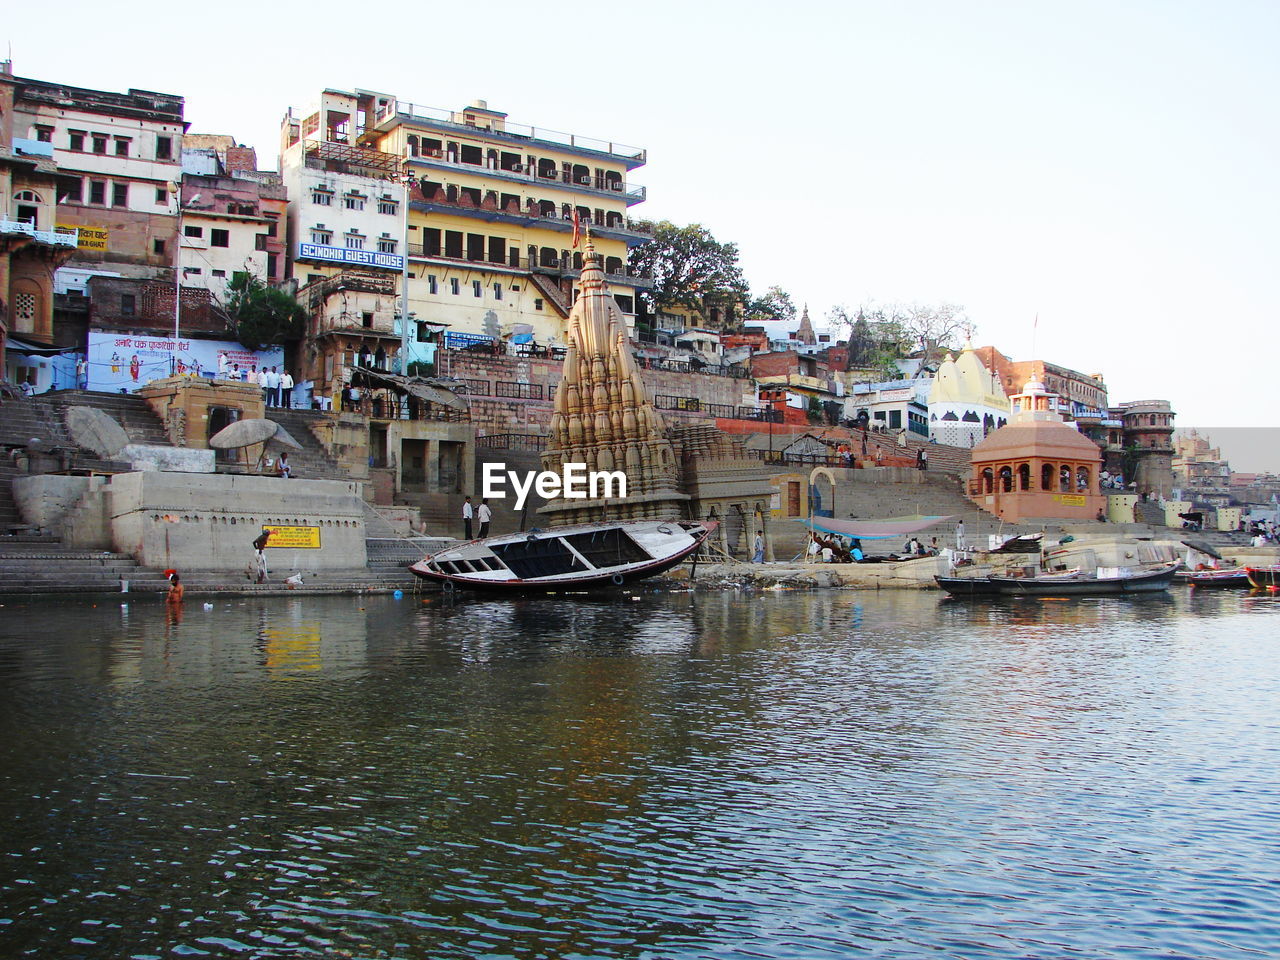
(99,144)
(97,191)
(119,194)
(322,197)
(128,304)
(431,283)
(75,140)
(497,291)
(366,320)
(475,246)
(260,241)
(322,237)
(475,287)
(272,226)
(218,273)
(219,238)
(69,189)
(431,242)
(122,146)
(386,245)
(192,231)
(157,247)
(453,285)
(353,201)
(44,134)
(192,270)
(537,304)
(388,206)
(453,244)
(162,197)
(354,241)
(164,148)
(272,263)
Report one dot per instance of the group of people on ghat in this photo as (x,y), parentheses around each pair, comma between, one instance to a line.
(277,387)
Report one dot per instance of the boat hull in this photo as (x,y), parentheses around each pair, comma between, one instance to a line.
(1068,586)
(583,557)
(1219,579)
(1264,578)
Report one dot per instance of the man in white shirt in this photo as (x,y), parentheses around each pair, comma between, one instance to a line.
(466,519)
(286,389)
(222,365)
(271,384)
(484,515)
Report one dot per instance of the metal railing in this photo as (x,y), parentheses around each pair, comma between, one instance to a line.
(517,391)
(509,129)
(512,441)
(633,193)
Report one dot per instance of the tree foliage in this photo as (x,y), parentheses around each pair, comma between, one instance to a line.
(690,268)
(259,315)
(878,335)
(774,304)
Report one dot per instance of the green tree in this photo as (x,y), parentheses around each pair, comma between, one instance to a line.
(690,268)
(259,315)
(774,304)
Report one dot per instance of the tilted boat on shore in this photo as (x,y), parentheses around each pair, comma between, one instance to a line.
(1072,584)
(585,556)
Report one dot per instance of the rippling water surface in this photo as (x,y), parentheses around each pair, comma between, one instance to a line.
(727,775)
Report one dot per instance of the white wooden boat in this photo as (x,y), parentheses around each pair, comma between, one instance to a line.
(584,556)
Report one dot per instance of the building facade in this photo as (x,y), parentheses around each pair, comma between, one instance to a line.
(118,158)
(1148,445)
(966,401)
(486,211)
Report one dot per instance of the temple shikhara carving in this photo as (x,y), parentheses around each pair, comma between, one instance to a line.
(604,418)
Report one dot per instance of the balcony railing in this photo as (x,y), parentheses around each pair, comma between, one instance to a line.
(631,193)
(616,224)
(552,265)
(55,238)
(508,129)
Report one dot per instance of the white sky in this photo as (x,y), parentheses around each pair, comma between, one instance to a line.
(1108,166)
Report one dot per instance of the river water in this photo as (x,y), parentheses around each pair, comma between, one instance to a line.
(725,775)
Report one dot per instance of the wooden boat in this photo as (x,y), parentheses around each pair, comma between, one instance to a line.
(1080,584)
(1217,578)
(968,586)
(585,556)
(1264,578)
(1071,584)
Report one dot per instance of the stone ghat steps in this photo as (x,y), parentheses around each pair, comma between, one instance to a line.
(312,462)
(32,568)
(131,412)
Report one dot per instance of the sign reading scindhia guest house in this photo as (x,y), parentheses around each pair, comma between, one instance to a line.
(350,256)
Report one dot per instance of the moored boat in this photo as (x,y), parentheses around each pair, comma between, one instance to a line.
(1264,578)
(584,556)
(1072,584)
(1237,578)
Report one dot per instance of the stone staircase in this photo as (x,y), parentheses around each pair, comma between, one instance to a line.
(133,413)
(312,462)
(31,568)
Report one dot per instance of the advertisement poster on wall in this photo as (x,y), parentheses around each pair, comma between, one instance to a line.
(121,363)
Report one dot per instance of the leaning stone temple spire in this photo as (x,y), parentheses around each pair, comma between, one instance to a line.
(603,416)
(804,333)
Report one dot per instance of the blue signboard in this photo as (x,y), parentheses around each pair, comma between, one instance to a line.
(349,255)
(461,341)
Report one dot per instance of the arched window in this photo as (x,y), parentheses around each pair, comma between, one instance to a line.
(1024,476)
(547,257)
(27,196)
(413,145)
(1082,479)
(1064,479)
(988,480)
(1006,479)
(1046,477)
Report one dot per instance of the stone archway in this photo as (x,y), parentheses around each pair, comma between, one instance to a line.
(820,506)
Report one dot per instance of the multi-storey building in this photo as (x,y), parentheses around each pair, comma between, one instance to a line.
(1148,443)
(119,164)
(233,216)
(493,210)
(31,248)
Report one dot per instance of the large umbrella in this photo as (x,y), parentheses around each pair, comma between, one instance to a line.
(245,433)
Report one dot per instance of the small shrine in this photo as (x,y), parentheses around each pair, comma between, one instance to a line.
(1037,466)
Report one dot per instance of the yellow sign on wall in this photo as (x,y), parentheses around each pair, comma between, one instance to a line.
(91,238)
(293,538)
(1069,499)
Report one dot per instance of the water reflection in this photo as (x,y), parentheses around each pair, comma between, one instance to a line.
(733,774)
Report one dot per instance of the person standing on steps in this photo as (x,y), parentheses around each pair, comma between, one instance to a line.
(286,389)
(484,515)
(260,560)
(466,519)
(960,544)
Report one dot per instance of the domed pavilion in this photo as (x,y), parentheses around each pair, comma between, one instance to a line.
(1037,466)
